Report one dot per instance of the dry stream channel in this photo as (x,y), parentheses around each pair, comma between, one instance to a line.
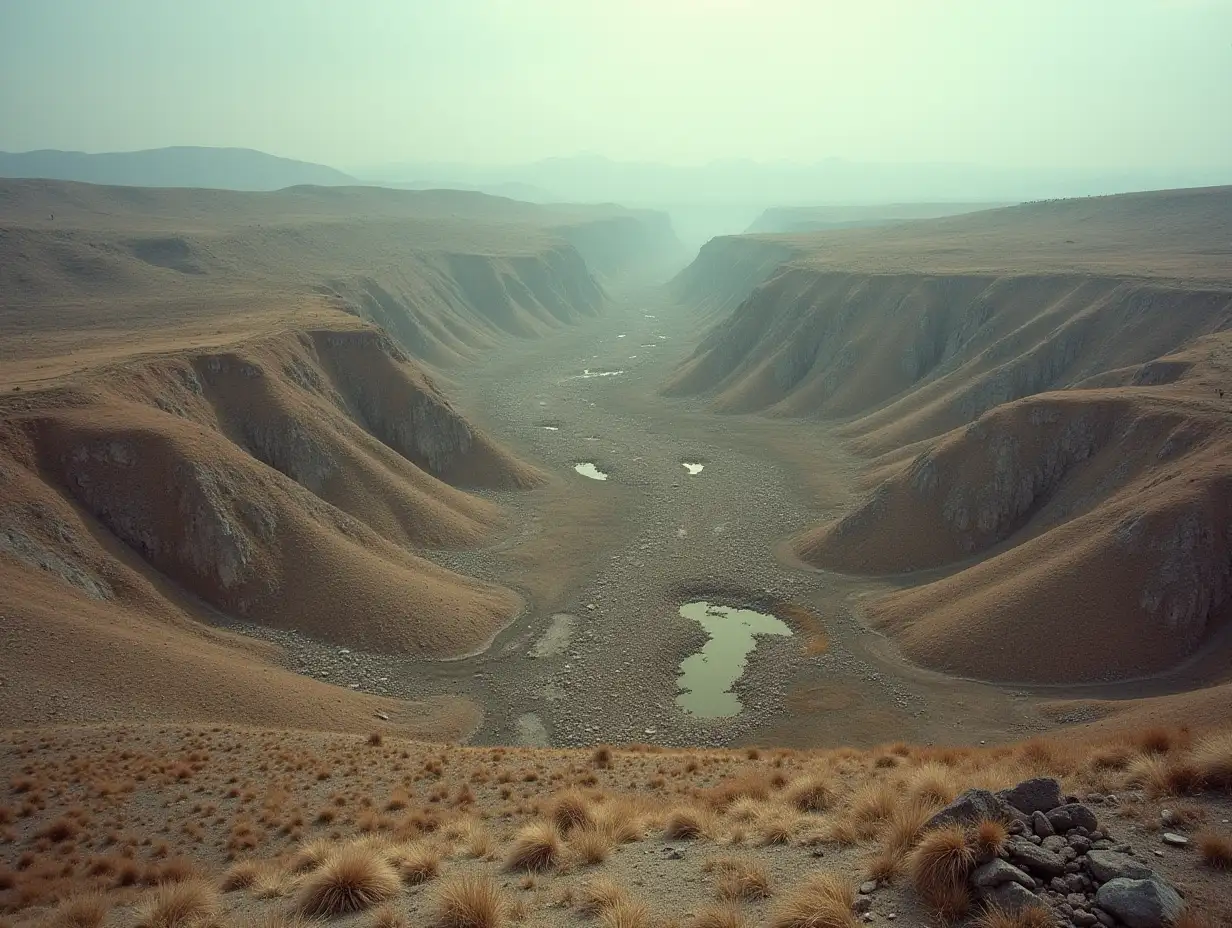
(662,623)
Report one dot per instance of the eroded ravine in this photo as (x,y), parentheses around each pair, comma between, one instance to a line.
(623,554)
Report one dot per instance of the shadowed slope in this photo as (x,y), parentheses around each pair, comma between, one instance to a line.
(249,478)
(1102,516)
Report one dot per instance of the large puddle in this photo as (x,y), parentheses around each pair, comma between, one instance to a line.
(707,677)
(587,469)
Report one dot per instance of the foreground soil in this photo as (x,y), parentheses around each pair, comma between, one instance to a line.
(240,820)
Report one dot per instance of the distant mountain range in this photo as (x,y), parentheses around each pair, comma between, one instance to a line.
(765,184)
(223,168)
(724,197)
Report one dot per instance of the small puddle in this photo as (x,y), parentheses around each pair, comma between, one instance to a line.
(550,428)
(587,469)
(588,374)
(693,469)
(707,677)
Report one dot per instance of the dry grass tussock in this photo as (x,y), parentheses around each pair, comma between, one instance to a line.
(627,914)
(241,875)
(724,915)
(936,783)
(1033,917)
(86,911)
(988,838)
(389,917)
(353,878)
(810,794)
(620,819)
(187,904)
(739,879)
(417,863)
(470,901)
(1212,757)
(688,823)
(940,865)
(572,809)
(589,847)
(536,847)
(824,900)
(311,855)
(600,894)
(1215,850)
(874,802)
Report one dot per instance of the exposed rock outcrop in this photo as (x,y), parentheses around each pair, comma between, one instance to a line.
(286,482)
(1071,867)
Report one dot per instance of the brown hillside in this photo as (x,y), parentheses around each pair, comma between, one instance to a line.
(1102,516)
(196,431)
(1039,391)
(284,482)
(446,273)
(277,484)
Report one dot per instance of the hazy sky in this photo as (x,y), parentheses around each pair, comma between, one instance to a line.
(1075,83)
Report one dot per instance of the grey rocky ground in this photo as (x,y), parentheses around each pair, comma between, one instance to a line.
(668,536)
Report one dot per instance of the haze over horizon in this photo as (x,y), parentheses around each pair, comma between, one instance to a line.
(1129,86)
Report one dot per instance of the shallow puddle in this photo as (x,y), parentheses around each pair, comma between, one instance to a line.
(588,374)
(550,428)
(587,469)
(707,677)
(693,469)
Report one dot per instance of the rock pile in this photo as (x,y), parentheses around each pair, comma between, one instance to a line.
(1057,856)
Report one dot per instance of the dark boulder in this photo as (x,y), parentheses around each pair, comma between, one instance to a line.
(970,807)
(1041,794)
(1070,816)
(1140,903)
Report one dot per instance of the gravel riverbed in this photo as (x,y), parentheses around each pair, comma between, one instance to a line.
(671,536)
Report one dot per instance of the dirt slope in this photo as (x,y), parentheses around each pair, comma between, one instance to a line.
(1038,392)
(198,428)
(286,482)
(727,270)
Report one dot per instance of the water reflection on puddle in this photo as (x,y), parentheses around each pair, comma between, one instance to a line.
(693,469)
(707,677)
(587,469)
